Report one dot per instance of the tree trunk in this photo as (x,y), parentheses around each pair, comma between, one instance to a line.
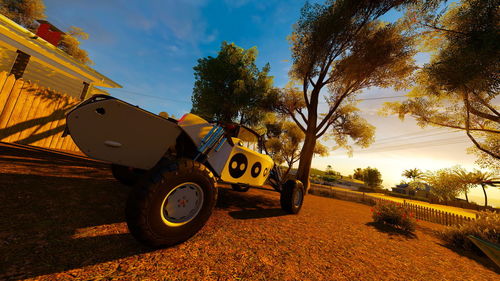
(466,197)
(485,196)
(306,157)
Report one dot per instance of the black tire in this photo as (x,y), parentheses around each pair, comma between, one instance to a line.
(145,217)
(290,203)
(239,188)
(126,175)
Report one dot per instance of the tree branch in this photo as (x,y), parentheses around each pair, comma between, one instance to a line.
(467,106)
(325,129)
(483,114)
(295,119)
(483,102)
(312,82)
(302,115)
(304,90)
(460,128)
(335,106)
(443,29)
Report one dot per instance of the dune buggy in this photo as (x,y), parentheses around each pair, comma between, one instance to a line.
(174,165)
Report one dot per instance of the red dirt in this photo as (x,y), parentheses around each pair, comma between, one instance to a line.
(63,218)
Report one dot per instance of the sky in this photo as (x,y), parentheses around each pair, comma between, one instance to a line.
(150,47)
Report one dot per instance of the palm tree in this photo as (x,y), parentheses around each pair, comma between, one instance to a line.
(485,179)
(413,174)
(465,179)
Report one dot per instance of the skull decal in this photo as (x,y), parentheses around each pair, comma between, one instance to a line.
(238,165)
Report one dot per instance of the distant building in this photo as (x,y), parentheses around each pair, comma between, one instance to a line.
(417,192)
(36,58)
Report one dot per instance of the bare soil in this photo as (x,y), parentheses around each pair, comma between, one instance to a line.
(62,218)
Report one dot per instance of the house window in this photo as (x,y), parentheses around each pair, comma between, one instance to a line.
(20,64)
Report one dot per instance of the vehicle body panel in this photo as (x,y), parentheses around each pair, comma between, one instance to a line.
(118,132)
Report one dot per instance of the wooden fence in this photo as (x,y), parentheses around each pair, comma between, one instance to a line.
(420,212)
(30,114)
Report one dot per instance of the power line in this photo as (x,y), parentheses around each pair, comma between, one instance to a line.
(382,98)
(378,98)
(181,101)
(415,145)
(433,130)
(390,140)
(150,96)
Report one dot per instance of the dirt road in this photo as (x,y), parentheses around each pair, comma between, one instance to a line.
(61,218)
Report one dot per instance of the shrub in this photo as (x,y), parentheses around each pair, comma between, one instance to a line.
(486,227)
(395,215)
(329,178)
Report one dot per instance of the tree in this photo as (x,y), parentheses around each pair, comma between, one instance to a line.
(412,174)
(71,45)
(485,179)
(230,87)
(458,87)
(415,176)
(372,177)
(341,47)
(443,184)
(358,174)
(284,142)
(329,170)
(465,180)
(23,12)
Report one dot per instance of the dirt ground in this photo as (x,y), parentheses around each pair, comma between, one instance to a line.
(62,218)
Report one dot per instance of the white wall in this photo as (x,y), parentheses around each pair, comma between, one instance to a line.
(46,76)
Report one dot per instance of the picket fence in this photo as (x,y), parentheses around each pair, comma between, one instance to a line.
(420,212)
(34,115)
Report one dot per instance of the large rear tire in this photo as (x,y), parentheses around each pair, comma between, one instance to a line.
(292,196)
(168,209)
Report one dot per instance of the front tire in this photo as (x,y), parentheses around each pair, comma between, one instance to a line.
(292,196)
(168,209)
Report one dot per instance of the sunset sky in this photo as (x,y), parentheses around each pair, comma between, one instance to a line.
(150,47)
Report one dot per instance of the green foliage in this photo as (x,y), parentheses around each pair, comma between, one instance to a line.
(330,178)
(341,46)
(372,177)
(23,12)
(443,184)
(395,215)
(71,45)
(458,87)
(285,141)
(358,174)
(486,227)
(412,174)
(230,87)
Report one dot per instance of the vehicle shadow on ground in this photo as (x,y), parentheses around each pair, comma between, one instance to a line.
(391,231)
(478,257)
(51,224)
(248,205)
